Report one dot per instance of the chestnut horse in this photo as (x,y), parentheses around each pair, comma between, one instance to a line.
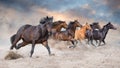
(81,33)
(33,35)
(69,34)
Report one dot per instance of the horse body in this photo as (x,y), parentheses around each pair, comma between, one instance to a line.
(101,34)
(33,35)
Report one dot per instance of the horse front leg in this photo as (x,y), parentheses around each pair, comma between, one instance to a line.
(88,40)
(48,48)
(73,46)
(104,42)
(32,50)
(92,42)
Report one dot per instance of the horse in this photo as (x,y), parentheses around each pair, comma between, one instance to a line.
(101,34)
(68,34)
(52,27)
(33,35)
(57,26)
(94,26)
(81,33)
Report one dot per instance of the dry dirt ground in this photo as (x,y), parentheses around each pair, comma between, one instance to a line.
(83,56)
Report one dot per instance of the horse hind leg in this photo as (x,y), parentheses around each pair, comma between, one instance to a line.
(17,38)
(21,45)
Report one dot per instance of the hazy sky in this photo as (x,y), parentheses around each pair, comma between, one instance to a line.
(107,10)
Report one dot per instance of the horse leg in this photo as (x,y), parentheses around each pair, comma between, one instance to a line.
(88,40)
(17,38)
(72,41)
(92,42)
(32,50)
(21,45)
(104,42)
(96,41)
(100,42)
(48,48)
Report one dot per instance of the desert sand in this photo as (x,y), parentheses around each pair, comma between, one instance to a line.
(83,56)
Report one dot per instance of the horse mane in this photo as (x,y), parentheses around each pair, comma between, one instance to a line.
(70,25)
(103,27)
(56,23)
(43,20)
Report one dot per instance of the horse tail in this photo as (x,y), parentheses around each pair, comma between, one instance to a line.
(12,38)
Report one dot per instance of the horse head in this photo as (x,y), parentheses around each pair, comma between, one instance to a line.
(87,26)
(46,20)
(63,24)
(77,24)
(111,26)
(95,25)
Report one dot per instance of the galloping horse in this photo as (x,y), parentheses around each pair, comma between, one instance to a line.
(80,34)
(94,26)
(57,26)
(101,34)
(69,34)
(33,35)
(52,27)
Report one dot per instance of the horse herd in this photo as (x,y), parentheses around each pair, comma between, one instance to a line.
(40,34)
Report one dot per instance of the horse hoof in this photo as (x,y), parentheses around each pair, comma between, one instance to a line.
(52,55)
(11,48)
(71,46)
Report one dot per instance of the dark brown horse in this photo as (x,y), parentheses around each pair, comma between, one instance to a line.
(101,34)
(33,35)
(69,34)
(94,26)
(52,27)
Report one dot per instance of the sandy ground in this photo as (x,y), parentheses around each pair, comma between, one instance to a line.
(83,56)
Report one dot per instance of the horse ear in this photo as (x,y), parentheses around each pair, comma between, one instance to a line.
(109,22)
(86,23)
(47,17)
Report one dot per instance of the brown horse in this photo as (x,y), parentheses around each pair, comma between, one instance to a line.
(67,35)
(52,27)
(57,26)
(33,35)
(81,33)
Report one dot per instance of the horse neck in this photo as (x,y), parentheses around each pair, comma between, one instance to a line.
(83,29)
(105,31)
(58,27)
(71,29)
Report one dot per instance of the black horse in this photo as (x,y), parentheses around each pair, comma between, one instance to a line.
(94,26)
(33,35)
(101,34)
